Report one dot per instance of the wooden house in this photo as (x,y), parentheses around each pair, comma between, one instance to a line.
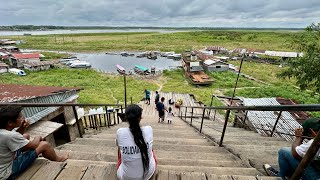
(18,60)
(56,124)
(217,49)
(4,67)
(39,66)
(215,65)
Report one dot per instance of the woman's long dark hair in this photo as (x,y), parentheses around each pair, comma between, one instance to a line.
(133,116)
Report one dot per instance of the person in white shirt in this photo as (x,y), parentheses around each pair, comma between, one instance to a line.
(136,159)
(170,115)
(17,152)
(289,158)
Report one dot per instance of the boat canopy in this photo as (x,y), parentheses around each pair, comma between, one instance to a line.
(141,68)
(120,67)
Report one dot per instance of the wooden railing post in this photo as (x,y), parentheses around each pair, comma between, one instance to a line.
(306,160)
(77,120)
(185,114)
(204,110)
(224,127)
(191,116)
(275,125)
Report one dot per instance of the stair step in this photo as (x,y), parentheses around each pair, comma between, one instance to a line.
(98,154)
(213,170)
(156,140)
(113,136)
(159,146)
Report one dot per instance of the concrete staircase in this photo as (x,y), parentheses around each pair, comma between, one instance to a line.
(251,147)
(182,153)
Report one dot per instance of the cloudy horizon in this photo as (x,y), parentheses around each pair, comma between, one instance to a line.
(163,13)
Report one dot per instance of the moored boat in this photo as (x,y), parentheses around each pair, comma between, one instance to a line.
(120,69)
(141,70)
(81,64)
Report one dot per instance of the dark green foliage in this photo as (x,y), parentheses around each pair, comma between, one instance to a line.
(306,69)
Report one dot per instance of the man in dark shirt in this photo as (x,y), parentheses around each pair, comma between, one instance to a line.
(161,109)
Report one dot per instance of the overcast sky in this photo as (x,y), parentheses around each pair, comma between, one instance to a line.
(173,13)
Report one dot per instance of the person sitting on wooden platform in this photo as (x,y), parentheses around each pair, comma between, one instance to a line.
(17,152)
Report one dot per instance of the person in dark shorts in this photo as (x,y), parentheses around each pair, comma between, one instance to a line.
(161,108)
(17,152)
(156,100)
(147,96)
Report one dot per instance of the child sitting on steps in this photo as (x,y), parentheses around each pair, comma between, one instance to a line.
(170,116)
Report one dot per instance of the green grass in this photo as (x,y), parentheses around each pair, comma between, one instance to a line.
(176,82)
(97,87)
(142,41)
(264,72)
(52,55)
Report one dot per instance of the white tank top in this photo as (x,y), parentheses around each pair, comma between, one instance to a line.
(131,164)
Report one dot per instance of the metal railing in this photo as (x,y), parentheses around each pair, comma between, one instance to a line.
(89,120)
(183,114)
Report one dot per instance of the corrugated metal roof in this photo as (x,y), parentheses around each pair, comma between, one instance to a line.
(13,92)
(26,56)
(266,119)
(281,54)
(35,114)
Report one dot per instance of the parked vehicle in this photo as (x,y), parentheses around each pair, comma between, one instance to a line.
(81,64)
(17,71)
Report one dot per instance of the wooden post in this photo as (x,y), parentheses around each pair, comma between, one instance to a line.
(306,160)
(185,114)
(275,125)
(125,90)
(191,116)
(77,120)
(204,110)
(224,127)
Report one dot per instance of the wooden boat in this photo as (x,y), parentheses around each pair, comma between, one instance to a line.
(120,69)
(141,70)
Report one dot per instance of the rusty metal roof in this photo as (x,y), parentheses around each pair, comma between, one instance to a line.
(26,56)
(13,92)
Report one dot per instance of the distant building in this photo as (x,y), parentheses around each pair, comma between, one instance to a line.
(56,124)
(39,66)
(11,49)
(215,65)
(6,42)
(217,49)
(18,60)
(4,67)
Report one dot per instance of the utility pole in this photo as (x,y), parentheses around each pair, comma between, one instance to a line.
(125,90)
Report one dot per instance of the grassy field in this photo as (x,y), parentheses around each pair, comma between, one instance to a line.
(97,87)
(178,42)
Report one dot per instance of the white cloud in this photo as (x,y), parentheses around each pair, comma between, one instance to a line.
(219,13)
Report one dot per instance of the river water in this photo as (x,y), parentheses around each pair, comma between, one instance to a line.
(107,63)
(20,33)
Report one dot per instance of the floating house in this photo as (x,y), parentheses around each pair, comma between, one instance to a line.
(194,71)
